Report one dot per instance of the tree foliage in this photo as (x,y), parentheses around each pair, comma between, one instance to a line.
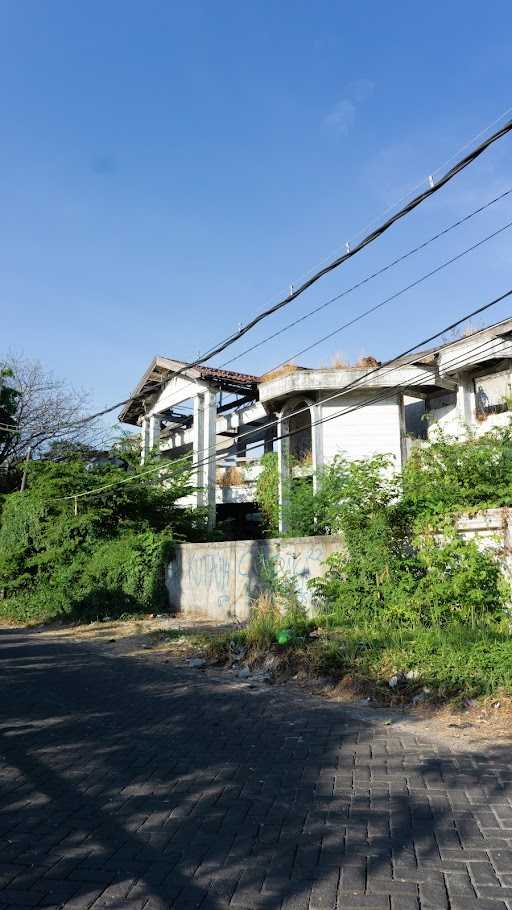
(106,554)
(8,407)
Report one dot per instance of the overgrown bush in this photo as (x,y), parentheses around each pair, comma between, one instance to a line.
(108,558)
(452,661)
(267,493)
(449,475)
(382,580)
(405,593)
(341,491)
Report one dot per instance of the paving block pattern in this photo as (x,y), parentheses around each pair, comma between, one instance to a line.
(134,783)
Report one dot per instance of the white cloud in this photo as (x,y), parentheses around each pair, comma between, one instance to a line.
(343,115)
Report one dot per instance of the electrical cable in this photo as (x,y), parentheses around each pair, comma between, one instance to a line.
(396,295)
(331,266)
(384,396)
(368,278)
(337,394)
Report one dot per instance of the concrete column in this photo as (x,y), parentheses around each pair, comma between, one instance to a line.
(402,429)
(198,449)
(209,447)
(283,464)
(317,449)
(154,433)
(144,444)
(465,399)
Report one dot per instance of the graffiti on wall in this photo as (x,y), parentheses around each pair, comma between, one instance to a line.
(223,580)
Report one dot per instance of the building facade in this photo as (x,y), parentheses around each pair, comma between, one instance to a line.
(224,421)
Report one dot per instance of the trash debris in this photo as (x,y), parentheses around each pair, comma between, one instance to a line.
(411,675)
(422,696)
(393,682)
(284,636)
(244,673)
(196,663)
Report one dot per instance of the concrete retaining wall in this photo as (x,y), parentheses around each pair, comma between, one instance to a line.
(218,580)
(491,529)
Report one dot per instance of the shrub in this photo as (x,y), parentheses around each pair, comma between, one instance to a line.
(264,622)
(109,558)
(267,493)
(452,661)
(343,491)
(449,475)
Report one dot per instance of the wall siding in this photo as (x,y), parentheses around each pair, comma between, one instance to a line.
(371,430)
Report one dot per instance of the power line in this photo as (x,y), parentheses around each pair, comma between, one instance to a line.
(396,295)
(337,394)
(331,266)
(443,165)
(17,430)
(370,238)
(412,189)
(461,360)
(368,278)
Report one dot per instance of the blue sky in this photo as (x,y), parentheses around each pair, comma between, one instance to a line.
(167,170)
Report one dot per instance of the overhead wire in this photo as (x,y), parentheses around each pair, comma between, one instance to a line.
(396,295)
(358,317)
(339,392)
(412,189)
(330,267)
(368,278)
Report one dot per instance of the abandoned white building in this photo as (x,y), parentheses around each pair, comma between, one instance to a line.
(226,420)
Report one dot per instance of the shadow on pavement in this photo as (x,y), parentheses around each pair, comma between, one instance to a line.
(131,783)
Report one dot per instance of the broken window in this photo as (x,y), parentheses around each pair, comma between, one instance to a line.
(493,393)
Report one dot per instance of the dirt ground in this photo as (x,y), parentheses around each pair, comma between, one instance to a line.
(178,639)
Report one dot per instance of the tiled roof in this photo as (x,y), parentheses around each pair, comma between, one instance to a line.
(215,373)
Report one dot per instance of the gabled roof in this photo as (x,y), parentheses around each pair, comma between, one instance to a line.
(161,369)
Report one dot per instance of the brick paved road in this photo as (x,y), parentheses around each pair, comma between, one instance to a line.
(131,783)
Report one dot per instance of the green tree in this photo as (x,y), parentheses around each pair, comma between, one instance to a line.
(84,556)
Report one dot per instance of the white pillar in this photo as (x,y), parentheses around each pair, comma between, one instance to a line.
(317,448)
(402,429)
(209,447)
(283,467)
(465,399)
(198,449)
(154,433)
(144,443)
